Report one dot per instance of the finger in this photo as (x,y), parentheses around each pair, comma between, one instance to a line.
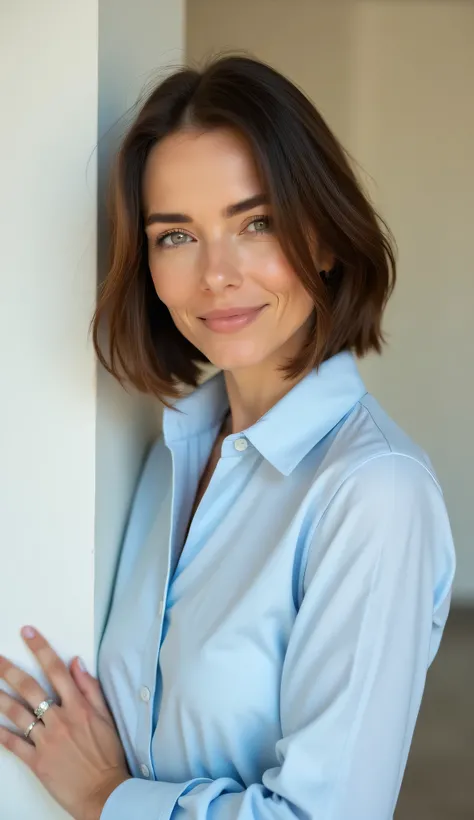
(90,688)
(26,686)
(54,668)
(16,713)
(18,746)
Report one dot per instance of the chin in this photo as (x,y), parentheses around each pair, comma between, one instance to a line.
(236,357)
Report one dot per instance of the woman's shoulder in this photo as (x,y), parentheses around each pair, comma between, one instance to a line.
(381,497)
(371,443)
(389,436)
(375,483)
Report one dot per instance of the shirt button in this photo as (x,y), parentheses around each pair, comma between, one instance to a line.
(145,770)
(241,444)
(145,694)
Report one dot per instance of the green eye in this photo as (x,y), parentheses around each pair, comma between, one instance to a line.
(172,239)
(261,224)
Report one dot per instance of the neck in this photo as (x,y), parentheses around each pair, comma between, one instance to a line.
(253,391)
(252,394)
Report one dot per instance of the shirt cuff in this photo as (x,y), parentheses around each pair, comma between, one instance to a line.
(146,799)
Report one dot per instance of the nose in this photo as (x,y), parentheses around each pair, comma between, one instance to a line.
(219,266)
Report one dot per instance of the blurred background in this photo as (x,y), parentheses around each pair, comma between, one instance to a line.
(395,81)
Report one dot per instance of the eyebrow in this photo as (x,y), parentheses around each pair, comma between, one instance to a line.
(246,205)
(231,210)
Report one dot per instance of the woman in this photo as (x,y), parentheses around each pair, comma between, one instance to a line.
(286,571)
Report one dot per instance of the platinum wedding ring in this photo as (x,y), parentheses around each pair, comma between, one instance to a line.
(30,727)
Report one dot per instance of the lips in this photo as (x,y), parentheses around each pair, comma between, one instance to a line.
(231,319)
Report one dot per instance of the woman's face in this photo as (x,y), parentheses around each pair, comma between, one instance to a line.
(214,259)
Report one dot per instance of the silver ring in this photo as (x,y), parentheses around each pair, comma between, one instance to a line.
(27,732)
(43,707)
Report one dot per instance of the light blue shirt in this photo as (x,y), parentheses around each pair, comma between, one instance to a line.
(275,671)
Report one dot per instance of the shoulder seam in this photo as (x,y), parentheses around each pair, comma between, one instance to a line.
(376,424)
(391,451)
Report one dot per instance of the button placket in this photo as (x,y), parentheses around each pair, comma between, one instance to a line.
(148,694)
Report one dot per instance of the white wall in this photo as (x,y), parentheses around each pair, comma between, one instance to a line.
(48,89)
(394,78)
(54,79)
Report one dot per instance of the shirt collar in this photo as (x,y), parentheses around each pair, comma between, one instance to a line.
(290,429)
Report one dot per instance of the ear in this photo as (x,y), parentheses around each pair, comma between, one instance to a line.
(326,260)
(324,256)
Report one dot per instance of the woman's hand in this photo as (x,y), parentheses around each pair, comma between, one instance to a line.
(74,749)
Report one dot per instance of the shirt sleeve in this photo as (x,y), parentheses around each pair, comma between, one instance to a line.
(377,585)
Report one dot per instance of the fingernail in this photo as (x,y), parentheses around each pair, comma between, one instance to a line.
(28,632)
(81,665)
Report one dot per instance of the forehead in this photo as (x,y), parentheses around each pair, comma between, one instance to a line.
(193,167)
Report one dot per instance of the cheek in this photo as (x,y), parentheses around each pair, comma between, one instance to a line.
(171,285)
(275,274)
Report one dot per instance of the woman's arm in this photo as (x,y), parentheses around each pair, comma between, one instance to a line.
(376,596)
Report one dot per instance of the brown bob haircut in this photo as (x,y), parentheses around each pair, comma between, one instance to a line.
(313,192)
